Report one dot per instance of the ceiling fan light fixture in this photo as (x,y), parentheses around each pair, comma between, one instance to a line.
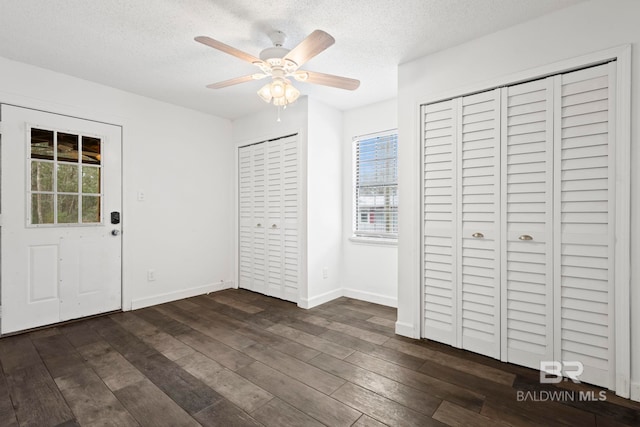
(279,91)
(265,93)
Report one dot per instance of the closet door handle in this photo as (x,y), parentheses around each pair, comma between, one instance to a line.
(274,226)
(477,235)
(259,225)
(525,237)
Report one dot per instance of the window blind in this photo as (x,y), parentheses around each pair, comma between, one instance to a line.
(376,185)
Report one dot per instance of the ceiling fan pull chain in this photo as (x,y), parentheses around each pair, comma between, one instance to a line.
(279,108)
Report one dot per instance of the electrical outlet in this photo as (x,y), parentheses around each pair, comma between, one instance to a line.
(141,196)
(151,275)
(325,273)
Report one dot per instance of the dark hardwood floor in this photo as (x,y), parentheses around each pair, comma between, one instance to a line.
(235,358)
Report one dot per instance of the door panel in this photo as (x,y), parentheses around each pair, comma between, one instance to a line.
(439,222)
(585,222)
(61,177)
(527,271)
(479,231)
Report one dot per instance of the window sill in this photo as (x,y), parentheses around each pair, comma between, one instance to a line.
(374,241)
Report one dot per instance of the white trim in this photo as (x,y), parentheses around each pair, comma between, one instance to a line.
(181,294)
(320,299)
(370,297)
(622,266)
(373,241)
(635,392)
(355,144)
(407,330)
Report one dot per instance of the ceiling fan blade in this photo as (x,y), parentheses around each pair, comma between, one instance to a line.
(236,81)
(326,80)
(315,43)
(228,49)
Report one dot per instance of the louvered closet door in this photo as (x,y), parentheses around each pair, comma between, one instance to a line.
(259,258)
(439,227)
(527,196)
(252,211)
(478,238)
(584,221)
(290,219)
(282,218)
(246,222)
(274,214)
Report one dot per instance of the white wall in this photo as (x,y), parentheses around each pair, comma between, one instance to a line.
(585,28)
(178,157)
(324,203)
(369,270)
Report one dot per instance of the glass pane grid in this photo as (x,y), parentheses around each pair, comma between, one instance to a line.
(65,174)
(376,189)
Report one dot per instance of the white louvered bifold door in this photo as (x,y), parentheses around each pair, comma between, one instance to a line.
(584,221)
(268,197)
(282,218)
(290,218)
(274,215)
(439,227)
(527,197)
(478,236)
(252,211)
(245,221)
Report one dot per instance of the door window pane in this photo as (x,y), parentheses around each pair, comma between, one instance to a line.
(42,208)
(90,209)
(90,150)
(41,176)
(41,144)
(67,209)
(65,172)
(90,179)
(67,147)
(67,178)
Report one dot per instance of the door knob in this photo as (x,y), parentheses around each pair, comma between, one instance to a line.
(115,232)
(525,237)
(274,226)
(259,225)
(477,235)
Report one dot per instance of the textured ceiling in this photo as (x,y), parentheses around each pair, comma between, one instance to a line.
(147,47)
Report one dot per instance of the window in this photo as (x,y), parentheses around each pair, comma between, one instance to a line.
(375,192)
(64,178)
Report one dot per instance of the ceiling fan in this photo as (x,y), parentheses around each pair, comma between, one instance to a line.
(280,63)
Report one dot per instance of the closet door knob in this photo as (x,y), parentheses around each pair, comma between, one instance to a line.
(274,226)
(525,237)
(259,225)
(477,235)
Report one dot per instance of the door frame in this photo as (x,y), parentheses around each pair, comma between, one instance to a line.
(622,267)
(19,101)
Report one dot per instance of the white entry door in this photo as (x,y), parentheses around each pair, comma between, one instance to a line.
(61,203)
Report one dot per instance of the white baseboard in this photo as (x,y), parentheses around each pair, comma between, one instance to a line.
(370,297)
(635,391)
(320,299)
(181,294)
(407,330)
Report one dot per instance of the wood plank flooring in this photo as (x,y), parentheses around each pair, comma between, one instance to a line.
(236,358)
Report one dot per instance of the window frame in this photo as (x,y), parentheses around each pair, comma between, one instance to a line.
(363,236)
(54,191)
